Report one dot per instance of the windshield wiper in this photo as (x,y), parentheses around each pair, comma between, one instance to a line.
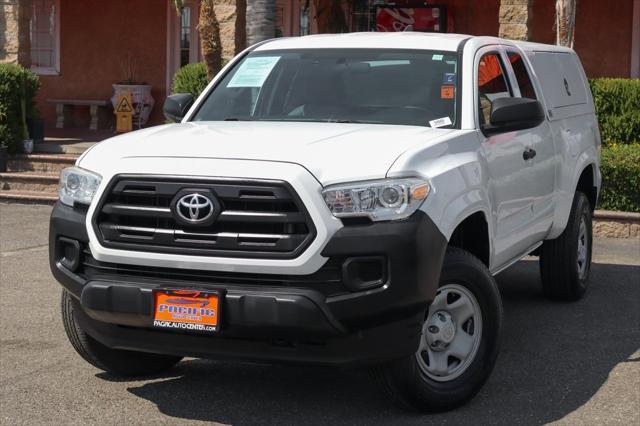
(237,119)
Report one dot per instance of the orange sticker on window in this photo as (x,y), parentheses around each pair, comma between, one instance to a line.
(447,92)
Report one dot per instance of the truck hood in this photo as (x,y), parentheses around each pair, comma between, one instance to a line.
(332,152)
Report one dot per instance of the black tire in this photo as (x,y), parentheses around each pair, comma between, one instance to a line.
(562,275)
(118,362)
(406,381)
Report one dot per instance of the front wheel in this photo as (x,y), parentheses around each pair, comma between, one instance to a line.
(459,342)
(115,361)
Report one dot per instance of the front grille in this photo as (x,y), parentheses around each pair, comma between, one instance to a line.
(258,219)
(327,280)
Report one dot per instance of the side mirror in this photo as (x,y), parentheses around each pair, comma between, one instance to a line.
(509,114)
(176,106)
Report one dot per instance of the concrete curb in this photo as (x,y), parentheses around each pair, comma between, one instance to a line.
(612,224)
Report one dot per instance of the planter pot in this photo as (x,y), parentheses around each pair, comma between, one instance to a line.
(142,101)
(36,129)
(27,146)
(3,159)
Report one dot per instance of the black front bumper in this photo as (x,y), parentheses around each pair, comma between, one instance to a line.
(289,319)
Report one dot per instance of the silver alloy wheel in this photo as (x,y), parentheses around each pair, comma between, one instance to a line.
(451,333)
(583,248)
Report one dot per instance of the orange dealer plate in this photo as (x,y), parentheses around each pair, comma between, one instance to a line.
(186,310)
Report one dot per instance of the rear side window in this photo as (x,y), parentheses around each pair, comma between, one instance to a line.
(492,84)
(560,78)
(522,76)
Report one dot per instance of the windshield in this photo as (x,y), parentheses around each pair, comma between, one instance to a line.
(383,86)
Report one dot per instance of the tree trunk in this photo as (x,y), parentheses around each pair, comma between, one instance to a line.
(210,43)
(565,22)
(241,25)
(261,20)
(24,37)
(330,16)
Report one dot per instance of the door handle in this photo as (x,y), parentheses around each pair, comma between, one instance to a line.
(528,154)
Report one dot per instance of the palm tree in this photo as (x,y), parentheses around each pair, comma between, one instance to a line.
(241,26)
(330,16)
(24,37)
(565,22)
(209,30)
(261,20)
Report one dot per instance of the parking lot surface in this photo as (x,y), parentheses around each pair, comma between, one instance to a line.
(573,363)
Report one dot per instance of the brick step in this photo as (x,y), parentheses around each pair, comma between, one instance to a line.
(27,197)
(46,183)
(41,163)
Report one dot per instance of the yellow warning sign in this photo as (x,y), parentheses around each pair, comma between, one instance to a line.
(124,113)
(124,105)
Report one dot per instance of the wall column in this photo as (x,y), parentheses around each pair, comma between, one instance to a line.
(9,36)
(514,19)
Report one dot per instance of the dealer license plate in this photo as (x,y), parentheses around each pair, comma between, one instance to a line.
(187,310)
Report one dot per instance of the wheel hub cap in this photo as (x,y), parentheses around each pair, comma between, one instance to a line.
(582,262)
(440,330)
(451,334)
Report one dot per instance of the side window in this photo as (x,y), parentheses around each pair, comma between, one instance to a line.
(492,84)
(522,76)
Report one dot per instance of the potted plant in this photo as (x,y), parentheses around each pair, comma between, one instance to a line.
(27,143)
(4,149)
(3,157)
(35,125)
(140,92)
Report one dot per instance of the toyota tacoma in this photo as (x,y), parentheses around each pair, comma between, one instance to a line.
(336,200)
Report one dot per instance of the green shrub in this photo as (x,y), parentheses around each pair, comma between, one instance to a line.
(191,78)
(16,84)
(617,103)
(620,167)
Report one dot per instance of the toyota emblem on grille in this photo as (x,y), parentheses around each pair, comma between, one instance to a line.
(195,208)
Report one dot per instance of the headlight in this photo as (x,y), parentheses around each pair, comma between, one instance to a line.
(78,186)
(379,200)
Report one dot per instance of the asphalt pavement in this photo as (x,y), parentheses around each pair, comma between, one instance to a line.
(575,363)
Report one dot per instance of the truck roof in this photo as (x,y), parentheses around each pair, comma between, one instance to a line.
(396,40)
(370,40)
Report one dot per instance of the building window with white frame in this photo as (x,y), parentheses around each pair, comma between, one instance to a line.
(44,31)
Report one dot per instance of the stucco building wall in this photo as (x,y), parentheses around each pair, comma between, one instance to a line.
(95,39)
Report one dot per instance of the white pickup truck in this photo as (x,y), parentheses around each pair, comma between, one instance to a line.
(335,199)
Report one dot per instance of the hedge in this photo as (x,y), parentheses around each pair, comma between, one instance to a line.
(191,78)
(15,83)
(620,167)
(617,103)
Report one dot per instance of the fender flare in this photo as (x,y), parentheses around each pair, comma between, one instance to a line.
(565,192)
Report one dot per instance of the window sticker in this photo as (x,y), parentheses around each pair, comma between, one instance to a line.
(437,57)
(254,71)
(449,78)
(447,92)
(440,122)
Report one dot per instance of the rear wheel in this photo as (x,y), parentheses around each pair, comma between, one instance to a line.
(459,342)
(565,262)
(118,362)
